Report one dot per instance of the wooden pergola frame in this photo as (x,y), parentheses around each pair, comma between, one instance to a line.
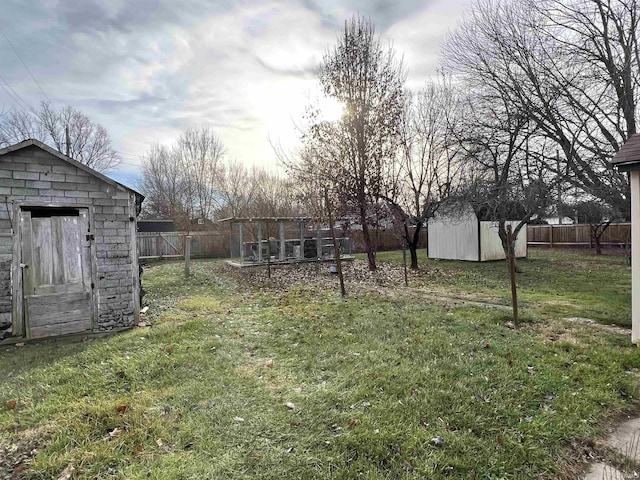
(259,257)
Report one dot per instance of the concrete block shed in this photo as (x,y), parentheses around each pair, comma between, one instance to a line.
(68,253)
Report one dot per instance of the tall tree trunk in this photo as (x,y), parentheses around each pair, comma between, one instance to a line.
(336,249)
(413,246)
(366,237)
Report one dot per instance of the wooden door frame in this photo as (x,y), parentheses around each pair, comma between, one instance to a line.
(19,328)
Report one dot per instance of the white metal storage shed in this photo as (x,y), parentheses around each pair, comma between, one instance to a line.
(462,236)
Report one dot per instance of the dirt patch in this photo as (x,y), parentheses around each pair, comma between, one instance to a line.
(553,333)
(16,454)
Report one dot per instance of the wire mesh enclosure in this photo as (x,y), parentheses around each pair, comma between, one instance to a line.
(258,241)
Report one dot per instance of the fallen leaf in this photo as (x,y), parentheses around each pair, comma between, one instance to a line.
(137,449)
(335,428)
(123,408)
(486,345)
(255,458)
(20,344)
(290,405)
(121,373)
(353,423)
(366,404)
(11,404)
(438,441)
(170,348)
(289,450)
(115,432)
(269,363)
(407,466)
(20,468)
(67,473)
(238,419)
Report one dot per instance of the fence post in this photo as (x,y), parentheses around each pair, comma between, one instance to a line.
(301,253)
(159,245)
(551,236)
(187,255)
(283,245)
(259,242)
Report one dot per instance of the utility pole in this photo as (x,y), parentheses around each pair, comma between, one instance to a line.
(67,138)
(559,188)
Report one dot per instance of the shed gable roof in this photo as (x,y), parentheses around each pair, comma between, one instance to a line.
(36,143)
(629,154)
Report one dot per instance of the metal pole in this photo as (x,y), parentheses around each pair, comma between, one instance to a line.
(512,274)
(187,255)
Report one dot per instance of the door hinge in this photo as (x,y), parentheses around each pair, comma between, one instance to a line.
(90,237)
(92,286)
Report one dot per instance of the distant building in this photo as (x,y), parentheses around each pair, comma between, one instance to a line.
(155,225)
(556,220)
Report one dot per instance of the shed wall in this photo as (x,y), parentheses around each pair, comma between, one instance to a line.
(452,238)
(32,176)
(491,245)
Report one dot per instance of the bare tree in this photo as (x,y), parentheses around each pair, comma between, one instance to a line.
(161,183)
(182,181)
(368,80)
(572,67)
(599,216)
(503,183)
(89,142)
(426,171)
(199,152)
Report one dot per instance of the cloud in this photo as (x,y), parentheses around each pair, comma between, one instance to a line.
(147,69)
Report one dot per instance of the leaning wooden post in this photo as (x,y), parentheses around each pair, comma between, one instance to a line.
(187,255)
(512,273)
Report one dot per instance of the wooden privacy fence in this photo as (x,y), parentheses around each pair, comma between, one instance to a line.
(617,234)
(172,244)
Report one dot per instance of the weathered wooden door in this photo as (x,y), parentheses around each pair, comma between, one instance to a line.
(56,271)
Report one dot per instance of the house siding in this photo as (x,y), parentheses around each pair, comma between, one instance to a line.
(33,176)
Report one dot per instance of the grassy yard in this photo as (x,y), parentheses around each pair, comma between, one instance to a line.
(247,377)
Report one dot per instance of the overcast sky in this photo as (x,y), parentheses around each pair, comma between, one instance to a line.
(148,69)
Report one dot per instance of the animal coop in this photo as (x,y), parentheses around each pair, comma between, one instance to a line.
(282,240)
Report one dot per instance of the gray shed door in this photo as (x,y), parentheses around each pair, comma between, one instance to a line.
(57,271)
